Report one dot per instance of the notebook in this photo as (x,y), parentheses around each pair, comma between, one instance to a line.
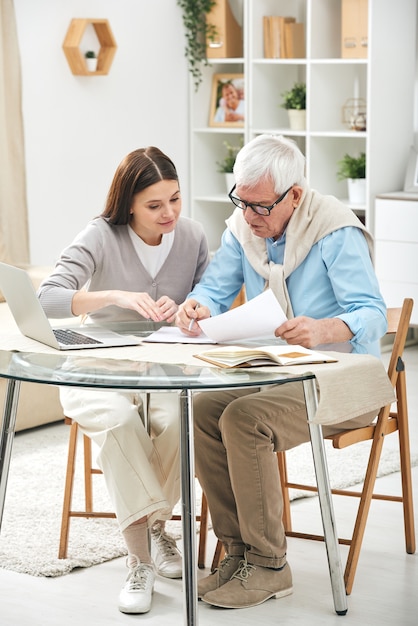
(32,321)
(238,356)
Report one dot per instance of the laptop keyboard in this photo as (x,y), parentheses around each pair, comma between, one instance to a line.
(72,338)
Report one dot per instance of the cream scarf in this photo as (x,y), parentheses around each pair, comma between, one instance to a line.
(316,217)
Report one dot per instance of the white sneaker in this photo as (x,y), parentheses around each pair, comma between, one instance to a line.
(136,594)
(165,554)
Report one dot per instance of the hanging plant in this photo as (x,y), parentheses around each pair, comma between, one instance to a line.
(198,32)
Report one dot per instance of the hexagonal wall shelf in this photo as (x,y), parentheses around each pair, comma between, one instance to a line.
(72,42)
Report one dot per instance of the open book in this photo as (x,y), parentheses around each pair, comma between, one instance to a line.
(236,356)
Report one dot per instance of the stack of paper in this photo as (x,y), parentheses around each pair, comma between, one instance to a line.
(259,317)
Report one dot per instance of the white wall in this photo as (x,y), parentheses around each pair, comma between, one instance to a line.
(77,128)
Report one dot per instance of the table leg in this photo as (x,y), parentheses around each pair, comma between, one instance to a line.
(188,514)
(325,500)
(6,437)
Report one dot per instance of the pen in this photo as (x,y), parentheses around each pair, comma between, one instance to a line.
(192,321)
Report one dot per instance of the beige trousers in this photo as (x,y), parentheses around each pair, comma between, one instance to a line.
(237,433)
(142,472)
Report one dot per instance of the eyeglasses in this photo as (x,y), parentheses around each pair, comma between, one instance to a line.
(257,208)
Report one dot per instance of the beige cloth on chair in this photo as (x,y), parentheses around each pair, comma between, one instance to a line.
(316,217)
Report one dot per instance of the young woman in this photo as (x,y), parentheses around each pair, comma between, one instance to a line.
(137,261)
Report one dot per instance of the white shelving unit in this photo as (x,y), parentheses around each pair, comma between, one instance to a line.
(385,80)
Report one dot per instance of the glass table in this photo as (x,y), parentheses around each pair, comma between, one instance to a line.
(126,374)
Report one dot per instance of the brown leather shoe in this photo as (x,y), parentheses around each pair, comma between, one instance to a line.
(251,585)
(228,566)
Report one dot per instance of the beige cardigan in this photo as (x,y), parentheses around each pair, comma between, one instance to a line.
(316,217)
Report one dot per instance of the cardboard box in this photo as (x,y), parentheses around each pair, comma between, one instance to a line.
(354,29)
(228,42)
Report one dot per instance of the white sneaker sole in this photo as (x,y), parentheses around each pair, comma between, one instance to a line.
(136,610)
(172,575)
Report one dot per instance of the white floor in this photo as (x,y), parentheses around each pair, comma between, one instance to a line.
(385,589)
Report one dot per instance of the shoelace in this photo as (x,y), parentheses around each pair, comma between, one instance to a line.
(244,571)
(138,577)
(225,562)
(165,543)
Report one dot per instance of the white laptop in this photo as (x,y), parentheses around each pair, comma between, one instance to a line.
(32,321)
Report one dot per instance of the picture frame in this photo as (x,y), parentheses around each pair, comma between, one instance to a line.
(227,101)
(411,177)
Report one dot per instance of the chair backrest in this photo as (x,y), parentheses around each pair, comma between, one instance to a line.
(398,325)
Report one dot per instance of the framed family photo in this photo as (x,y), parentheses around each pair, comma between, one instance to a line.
(227,100)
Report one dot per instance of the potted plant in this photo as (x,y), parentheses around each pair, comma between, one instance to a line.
(91,60)
(226,165)
(353,169)
(294,101)
(198,32)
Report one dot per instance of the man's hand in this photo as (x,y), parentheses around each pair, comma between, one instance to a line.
(308,332)
(188,315)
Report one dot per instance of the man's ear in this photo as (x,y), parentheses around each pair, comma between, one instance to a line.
(297,194)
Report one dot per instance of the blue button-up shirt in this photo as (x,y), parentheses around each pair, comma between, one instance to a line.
(336,279)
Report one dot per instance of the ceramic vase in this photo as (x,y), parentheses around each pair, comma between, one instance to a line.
(91,65)
(356,190)
(297,119)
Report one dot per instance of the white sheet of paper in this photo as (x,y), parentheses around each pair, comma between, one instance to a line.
(172,334)
(258,317)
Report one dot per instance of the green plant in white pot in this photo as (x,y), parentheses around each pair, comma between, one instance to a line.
(91,60)
(226,165)
(353,169)
(294,101)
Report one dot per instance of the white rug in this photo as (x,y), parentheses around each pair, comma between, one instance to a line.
(31,525)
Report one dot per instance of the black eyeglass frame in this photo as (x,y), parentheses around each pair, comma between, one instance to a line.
(238,202)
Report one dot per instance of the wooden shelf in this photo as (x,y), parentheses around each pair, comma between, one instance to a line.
(75,57)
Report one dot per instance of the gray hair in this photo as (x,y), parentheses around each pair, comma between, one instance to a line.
(270,157)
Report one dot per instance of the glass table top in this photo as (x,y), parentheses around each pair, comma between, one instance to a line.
(88,371)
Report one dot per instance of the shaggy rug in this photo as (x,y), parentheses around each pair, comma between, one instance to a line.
(30,531)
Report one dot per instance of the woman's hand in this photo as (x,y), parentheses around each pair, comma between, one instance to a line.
(85,302)
(231,116)
(141,302)
(168,308)
(164,310)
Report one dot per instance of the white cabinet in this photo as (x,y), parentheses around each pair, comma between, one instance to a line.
(385,80)
(396,248)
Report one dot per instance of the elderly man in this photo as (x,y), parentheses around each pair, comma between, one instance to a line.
(314,253)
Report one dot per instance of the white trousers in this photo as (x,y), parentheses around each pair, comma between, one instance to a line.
(142,471)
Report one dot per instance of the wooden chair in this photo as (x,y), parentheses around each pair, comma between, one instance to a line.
(88,511)
(388,421)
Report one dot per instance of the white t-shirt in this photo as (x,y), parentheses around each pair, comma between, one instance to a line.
(152,257)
